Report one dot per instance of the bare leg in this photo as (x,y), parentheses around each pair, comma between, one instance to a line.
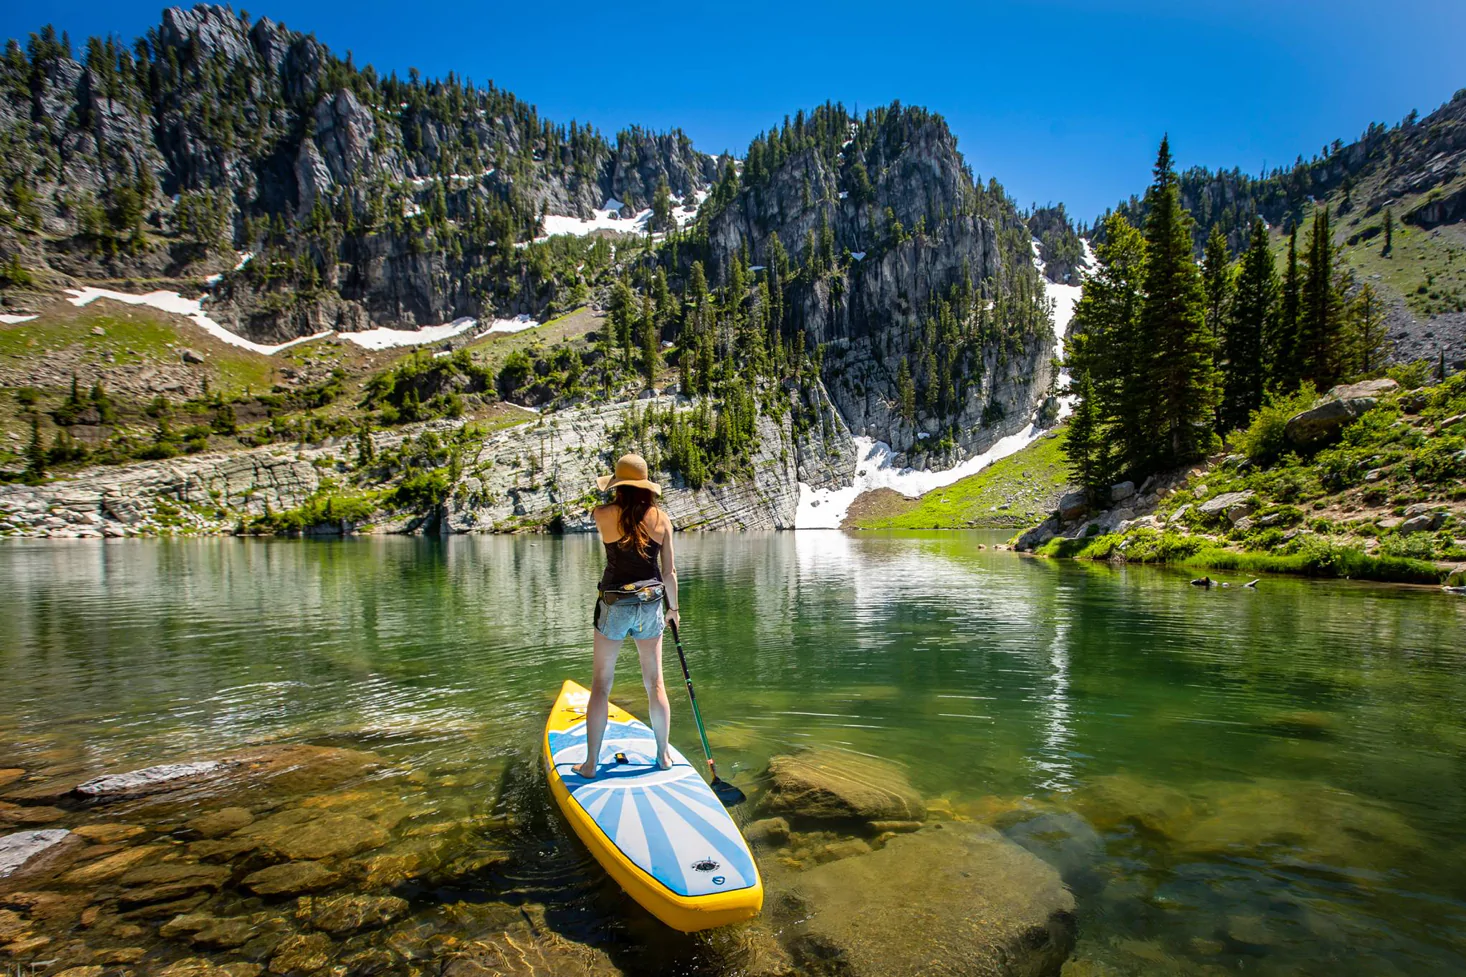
(650,652)
(603,672)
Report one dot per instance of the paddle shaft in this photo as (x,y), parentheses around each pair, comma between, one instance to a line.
(697,716)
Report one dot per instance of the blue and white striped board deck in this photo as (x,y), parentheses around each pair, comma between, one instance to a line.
(668,822)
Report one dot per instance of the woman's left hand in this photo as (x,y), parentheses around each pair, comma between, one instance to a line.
(674,619)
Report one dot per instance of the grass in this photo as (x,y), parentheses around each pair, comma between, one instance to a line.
(1426,268)
(1334,513)
(1316,558)
(1030,481)
(136,337)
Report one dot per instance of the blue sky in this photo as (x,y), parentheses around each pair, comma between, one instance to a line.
(1061,101)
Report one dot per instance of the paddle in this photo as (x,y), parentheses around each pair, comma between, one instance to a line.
(730,796)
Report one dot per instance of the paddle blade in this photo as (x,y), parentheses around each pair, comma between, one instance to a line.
(730,796)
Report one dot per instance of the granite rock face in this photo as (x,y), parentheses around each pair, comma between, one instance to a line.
(306,137)
(881,305)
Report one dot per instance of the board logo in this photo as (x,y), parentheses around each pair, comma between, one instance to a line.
(705,865)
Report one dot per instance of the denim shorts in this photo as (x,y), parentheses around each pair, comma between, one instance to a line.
(631,619)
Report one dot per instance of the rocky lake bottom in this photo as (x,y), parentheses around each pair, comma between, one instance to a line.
(248,757)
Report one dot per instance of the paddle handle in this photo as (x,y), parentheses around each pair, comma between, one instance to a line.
(692,695)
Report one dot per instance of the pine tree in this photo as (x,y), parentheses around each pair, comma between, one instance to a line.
(649,343)
(1084,446)
(906,391)
(1216,274)
(623,311)
(1320,324)
(1368,331)
(1250,316)
(1281,349)
(662,207)
(1173,324)
(1105,344)
(35,470)
(366,450)
(1389,245)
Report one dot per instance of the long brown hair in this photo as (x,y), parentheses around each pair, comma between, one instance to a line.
(634,504)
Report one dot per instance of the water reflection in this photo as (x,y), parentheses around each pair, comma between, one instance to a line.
(1291,753)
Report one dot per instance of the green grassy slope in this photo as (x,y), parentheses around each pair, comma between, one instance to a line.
(1342,511)
(1026,484)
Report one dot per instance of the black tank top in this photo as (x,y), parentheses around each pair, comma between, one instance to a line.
(624,565)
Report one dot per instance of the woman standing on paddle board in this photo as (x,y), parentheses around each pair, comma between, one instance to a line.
(633,590)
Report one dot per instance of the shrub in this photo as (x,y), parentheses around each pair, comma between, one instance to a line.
(515,372)
(1265,438)
(1411,375)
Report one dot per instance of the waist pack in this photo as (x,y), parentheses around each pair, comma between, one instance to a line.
(642,591)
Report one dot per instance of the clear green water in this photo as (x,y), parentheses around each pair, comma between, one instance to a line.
(1269,781)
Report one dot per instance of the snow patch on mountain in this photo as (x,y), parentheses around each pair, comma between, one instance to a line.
(191,309)
(386,338)
(608,218)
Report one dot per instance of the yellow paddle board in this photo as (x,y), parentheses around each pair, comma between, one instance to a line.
(661,834)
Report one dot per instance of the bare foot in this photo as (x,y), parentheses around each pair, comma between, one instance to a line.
(580,770)
(664,762)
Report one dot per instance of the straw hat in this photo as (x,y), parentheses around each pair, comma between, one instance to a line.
(630,470)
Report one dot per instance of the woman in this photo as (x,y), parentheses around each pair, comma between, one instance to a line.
(636,532)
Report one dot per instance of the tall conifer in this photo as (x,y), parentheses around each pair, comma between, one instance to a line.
(1085,444)
(1281,350)
(1173,326)
(1216,274)
(1104,351)
(1321,320)
(1250,316)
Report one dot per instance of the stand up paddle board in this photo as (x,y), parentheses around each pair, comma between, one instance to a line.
(660,833)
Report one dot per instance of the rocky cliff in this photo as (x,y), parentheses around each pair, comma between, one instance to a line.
(536,476)
(374,200)
(896,261)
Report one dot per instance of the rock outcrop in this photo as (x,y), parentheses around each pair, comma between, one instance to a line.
(226,126)
(537,476)
(1342,406)
(902,258)
(954,898)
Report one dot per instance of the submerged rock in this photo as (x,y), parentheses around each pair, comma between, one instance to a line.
(768,831)
(112,865)
(1291,821)
(827,784)
(18,814)
(20,848)
(1120,800)
(217,824)
(301,953)
(1064,840)
(300,836)
(348,913)
(209,932)
(109,834)
(290,878)
(199,967)
(149,780)
(169,881)
(524,952)
(950,899)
